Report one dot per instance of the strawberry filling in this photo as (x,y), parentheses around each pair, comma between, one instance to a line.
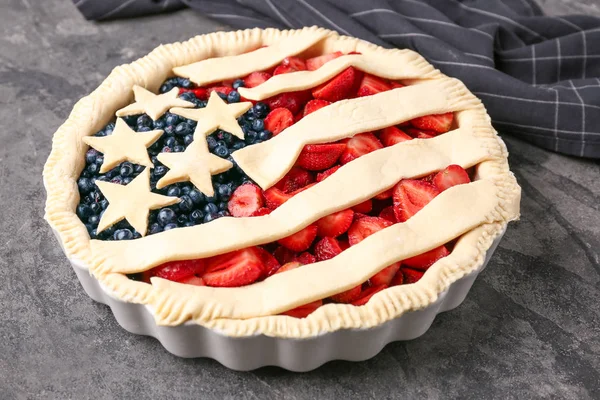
(329,236)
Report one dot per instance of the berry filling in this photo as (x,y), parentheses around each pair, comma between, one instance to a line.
(236,195)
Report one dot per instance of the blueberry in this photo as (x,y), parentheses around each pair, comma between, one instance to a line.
(170,142)
(154,228)
(182,219)
(136,235)
(104,204)
(184,83)
(126,169)
(117,179)
(211,208)
(85,185)
(96,208)
(188,223)
(250,137)
(224,192)
(127,181)
(209,217)
(84,211)
(264,135)
(223,213)
(196,196)
(185,203)
(258,125)
(166,87)
(249,116)
(93,220)
(223,96)
(260,109)
(170,130)
(212,142)
(90,230)
(173,191)
(178,149)
(144,129)
(99,159)
(211,199)
(166,216)
(201,104)
(159,170)
(90,156)
(166,149)
(131,120)
(182,129)
(144,120)
(233,97)
(186,189)
(108,232)
(188,139)
(172,119)
(238,145)
(222,205)
(123,234)
(170,226)
(109,128)
(102,178)
(92,169)
(152,217)
(159,124)
(196,216)
(222,151)
(238,83)
(187,96)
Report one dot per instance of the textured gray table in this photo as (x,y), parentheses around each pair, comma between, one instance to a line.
(529,328)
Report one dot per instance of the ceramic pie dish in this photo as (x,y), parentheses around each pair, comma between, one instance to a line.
(253,196)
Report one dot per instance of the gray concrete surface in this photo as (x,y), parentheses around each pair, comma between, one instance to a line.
(530,328)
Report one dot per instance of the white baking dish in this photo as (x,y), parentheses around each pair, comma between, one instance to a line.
(251,352)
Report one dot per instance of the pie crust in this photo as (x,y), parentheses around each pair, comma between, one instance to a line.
(475,213)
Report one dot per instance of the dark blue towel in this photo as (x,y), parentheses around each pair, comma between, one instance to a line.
(538,76)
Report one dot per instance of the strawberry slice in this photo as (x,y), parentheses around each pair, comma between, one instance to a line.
(420,133)
(283,69)
(316,157)
(359,145)
(439,123)
(295,179)
(398,279)
(451,176)
(284,255)
(411,275)
(261,211)
(372,85)
(293,101)
(348,296)
(275,197)
(392,135)
(384,195)
(301,240)
(388,213)
(238,268)
(327,248)
(396,85)
(178,271)
(194,280)
(200,93)
(410,195)
(365,227)
(322,175)
(279,119)
(295,63)
(424,261)
(367,294)
(316,62)
(219,89)
(385,276)
(335,224)
(303,311)
(255,79)
(364,208)
(289,266)
(245,201)
(314,105)
(340,87)
(270,263)
(306,258)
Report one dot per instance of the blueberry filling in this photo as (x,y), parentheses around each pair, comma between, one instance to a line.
(194,207)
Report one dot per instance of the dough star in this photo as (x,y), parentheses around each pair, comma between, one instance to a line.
(216,115)
(124,144)
(132,202)
(196,164)
(155,105)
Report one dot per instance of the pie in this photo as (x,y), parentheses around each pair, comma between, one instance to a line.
(287,183)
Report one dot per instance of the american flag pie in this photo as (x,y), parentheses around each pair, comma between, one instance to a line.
(287,183)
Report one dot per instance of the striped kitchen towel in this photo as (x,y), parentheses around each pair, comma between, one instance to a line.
(538,76)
